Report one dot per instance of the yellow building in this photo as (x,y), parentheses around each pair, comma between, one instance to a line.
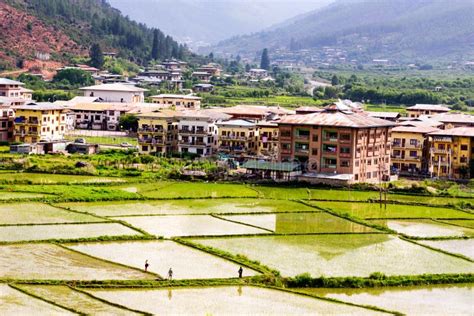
(237,137)
(268,141)
(158,132)
(451,152)
(178,100)
(426,109)
(37,122)
(409,148)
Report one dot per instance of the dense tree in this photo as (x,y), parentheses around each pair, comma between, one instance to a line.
(265,61)
(74,77)
(129,122)
(96,56)
(156,45)
(335,80)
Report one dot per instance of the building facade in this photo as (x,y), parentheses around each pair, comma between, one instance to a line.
(7,116)
(268,140)
(237,137)
(426,109)
(158,132)
(36,122)
(116,92)
(179,101)
(338,142)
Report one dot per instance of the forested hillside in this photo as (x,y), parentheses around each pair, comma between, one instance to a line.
(401,29)
(79,23)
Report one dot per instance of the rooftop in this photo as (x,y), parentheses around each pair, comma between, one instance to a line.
(242,123)
(40,106)
(414,129)
(454,118)
(429,107)
(273,166)
(115,87)
(334,116)
(392,115)
(10,82)
(458,131)
(175,96)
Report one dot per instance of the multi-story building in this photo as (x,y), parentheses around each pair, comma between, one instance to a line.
(202,76)
(197,131)
(212,70)
(258,73)
(180,101)
(337,141)
(116,92)
(237,137)
(451,120)
(158,132)
(410,148)
(268,140)
(426,109)
(10,88)
(37,122)
(7,116)
(451,152)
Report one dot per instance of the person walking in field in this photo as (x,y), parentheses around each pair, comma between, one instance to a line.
(240,272)
(146,265)
(170,274)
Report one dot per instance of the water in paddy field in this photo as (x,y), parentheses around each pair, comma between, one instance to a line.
(425,228)
(463,247)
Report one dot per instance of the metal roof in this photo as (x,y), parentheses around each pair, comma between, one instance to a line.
(458,131)
(429,107)
(10,82)
(117,87)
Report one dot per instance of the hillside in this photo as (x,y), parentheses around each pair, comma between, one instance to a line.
(400,29)
(209,21)
(56,30)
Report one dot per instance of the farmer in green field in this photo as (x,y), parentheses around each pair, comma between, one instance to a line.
(170,274)
(240,272)
(146,265)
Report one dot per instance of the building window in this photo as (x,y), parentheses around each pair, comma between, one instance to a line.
(463,159)
(356,163)
(329,148)
(413,153)
(369,162)
(285,133)
(374,174)
(301,147)
(301,133)
(314,151)
(315,138)
(345,137)
(330,136)
(464,147)
(413,142)
(368,175)
(344,163)
(345,150)
(286,146)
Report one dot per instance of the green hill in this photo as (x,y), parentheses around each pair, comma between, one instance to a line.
(397,29)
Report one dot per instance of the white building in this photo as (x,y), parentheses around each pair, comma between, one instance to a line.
(258,73)
(180,101)
(197,131)
(116,92)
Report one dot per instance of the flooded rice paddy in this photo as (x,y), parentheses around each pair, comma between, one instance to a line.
(187,263)
(14,302)
(70,231)
(7,195)
(226,300)
(285,223)
(425,228)
(341,255)
(463,247)
(423,300)
(51,262)
(193,225)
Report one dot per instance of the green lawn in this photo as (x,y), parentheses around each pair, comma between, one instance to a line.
(105,140)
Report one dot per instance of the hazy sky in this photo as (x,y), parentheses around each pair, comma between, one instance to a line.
(214,20)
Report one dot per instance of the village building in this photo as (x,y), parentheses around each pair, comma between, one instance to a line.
(257,73)
(14,89)
(452,120)
(426,109)
(179,101)
(237,137)
(197,131)
(410,149)
(212,70)
(158,132)
(338,144)
(202,76)
(116,92)
(277,171)
(307,110)
(268,140)
(7,116)
(451,152)
(203,87)
(38,122)
(389,116)
(255,112)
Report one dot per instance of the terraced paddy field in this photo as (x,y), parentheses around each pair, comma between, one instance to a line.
(195,225)
(341,255)
(200,190)
(14,302)
(187,263)
(225,300)
(375,211)
(40,213)
(42,178)
(464,247)
(8,195)
(424,300)
(83,248)
(74,300)
(425,228)
(188,207)
(287,223)
(70,231)
(51,262)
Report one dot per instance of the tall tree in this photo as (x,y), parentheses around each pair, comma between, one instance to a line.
(155,47)
(335,80)
(265,61)
(96,55)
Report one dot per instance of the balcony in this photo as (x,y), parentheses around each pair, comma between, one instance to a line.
(329,166)
(330,139)
(440,151)
(301,151)
(188,143)
(151,141)
(193,132)
(234,138)
(151,130)
(302,137)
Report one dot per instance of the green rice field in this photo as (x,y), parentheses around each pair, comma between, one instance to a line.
(426,300)
(341,255)
(375,210)
(105,246)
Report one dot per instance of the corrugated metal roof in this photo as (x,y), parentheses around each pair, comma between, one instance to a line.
(414,129)
(120,87)
(10,82)
(458,131)
(429,107)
